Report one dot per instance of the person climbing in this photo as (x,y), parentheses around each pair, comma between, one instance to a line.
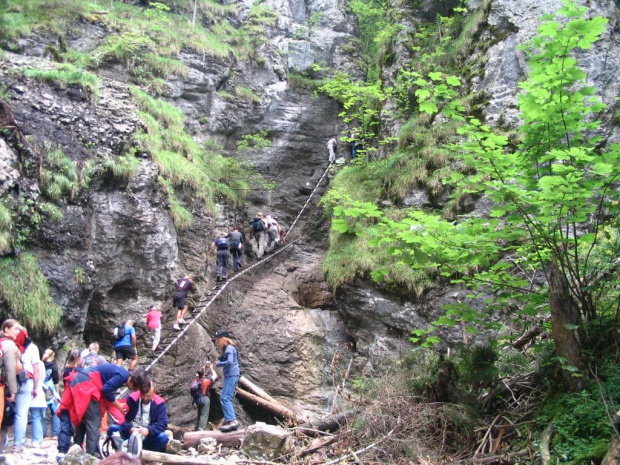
(204,383)
(258,232)
(281,232)
(125,347)
(353,144)
(179,299)
(220,245)
(87,394)
(273,235)
(90,357)
(229,362)
(153,323)
(236,239)
(331,148)
(146,414)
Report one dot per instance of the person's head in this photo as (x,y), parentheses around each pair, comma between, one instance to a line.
(11,328)
(236,227)
(73,359)
(120,458)
(259,215)
(129,322)
(152,307)
(94,347)
(148,394)
(22,340)
(48,355)
(200,373)
(139,380)
(222,339)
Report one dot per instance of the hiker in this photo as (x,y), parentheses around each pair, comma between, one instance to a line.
(179,299)
(29,379)
(353,144)
(125,347)
(147,413)
(220,244)
(153,323)
(12,367)
(38,406)
(230,363)
(50,388)
(90,357)
(203,383)
(258,233)
(273,233)
(87,393)
(331,147)
(236,239)
(281,232)
(72,362)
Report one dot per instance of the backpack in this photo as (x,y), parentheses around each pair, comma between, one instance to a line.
(258,225)
(119,332)
(182,284)
(221,243)
(195,389)
(91,359)
(2,377)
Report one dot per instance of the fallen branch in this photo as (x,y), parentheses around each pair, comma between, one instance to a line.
(150,456)
(527,337)
(233,439)
(330,424)
(354,454)
(545,441)
(255,389)
(277,409)
(506,459)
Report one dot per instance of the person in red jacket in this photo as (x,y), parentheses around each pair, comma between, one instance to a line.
(147,414)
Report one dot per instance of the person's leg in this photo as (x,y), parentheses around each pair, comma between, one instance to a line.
(156,337)
(179,312)
(22,407)
(155,443)
(218,263)
(37,414)
(120,358)
(1,404)
(55,421)
(183,312)
(65,432)
(228,391)
(203,415)
(134,362)
(92,420)
(225,256)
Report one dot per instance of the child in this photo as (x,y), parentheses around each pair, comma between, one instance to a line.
(153,323)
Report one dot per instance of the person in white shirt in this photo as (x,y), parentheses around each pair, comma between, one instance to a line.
(28,390)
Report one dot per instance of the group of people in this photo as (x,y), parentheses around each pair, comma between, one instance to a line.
(80,413)
(267,232)
(354,146)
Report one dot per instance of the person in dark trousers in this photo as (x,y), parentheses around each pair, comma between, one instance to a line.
(229,362)
(179,299)
(147,414)
(52,379)
(202,418)
(125,347)
(236,239)
(87,393)
(220,245)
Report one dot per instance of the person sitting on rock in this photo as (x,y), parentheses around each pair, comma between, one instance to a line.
(220,244)
(179,299)
(229,361)
(146,414)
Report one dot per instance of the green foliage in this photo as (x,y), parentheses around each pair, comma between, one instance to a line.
(372,20)
(300,81)
(247,94)
(581,423)
(53,212)
(59,175)
(80,275)
(67,74)
(122,167)
(6,222)
(182,160)
(25,292)
(259,140)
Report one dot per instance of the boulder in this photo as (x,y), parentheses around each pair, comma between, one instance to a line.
(263,441)
(77,456)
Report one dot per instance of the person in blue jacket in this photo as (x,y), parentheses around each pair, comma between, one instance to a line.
(229,361)
(146,414)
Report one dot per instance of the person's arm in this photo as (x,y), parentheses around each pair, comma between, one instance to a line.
(228,359)
(133,338)
(160,421)
(55,379)
(36,378)
(9,353)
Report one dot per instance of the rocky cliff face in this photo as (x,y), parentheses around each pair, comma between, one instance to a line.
(294,335)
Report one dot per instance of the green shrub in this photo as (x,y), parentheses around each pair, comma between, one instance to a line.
(259,140)
(122,167)
(247,94)
(6,223)
(25,292)
(58,175)
(67,74)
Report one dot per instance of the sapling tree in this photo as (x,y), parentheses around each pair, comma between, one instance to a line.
(554,192)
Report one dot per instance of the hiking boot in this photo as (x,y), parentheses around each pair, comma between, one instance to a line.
(225,276)
(182,321)
(218,278)
(177,327)
(229,426)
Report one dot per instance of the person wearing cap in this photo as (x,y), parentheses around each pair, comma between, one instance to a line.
(12,366)
(179,298)
(258,233)
(202,418)
(153,323)
(30,377)
(229,362)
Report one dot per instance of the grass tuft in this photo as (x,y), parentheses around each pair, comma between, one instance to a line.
(67,75)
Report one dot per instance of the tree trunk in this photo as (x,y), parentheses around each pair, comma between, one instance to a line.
(330,424)
(276,409)
(233,438)
(255,389)
(150,456)
(566,326)
(613,454)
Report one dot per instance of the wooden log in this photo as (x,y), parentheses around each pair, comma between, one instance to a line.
(276,409)
(178,431)
(545,445)
(150,456)
(233,439)
(255,389)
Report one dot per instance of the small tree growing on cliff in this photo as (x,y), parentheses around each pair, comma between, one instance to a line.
(555,194)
